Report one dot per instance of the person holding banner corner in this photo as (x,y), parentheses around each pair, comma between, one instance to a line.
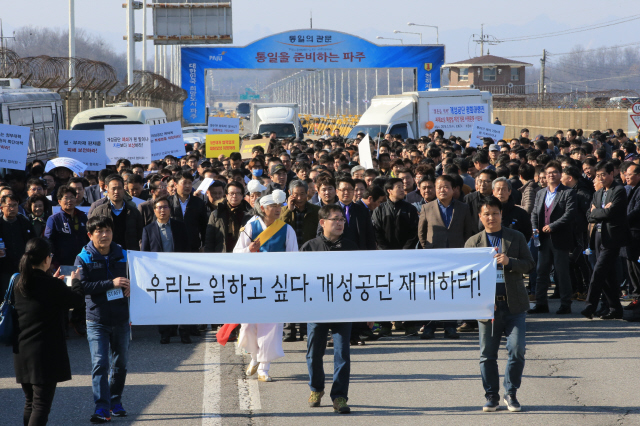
(265,233)
(514,259)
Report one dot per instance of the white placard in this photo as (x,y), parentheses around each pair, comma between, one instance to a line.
(364,153)
(223,126)
(58,209)
(204,185)
(486,130)
(14,146)
(128,141)
(385,285)
(76,166)
(83,145)
(166,139)
(455,118)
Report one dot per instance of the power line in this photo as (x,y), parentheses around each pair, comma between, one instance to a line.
(596,79)
(573,31)
(577,52)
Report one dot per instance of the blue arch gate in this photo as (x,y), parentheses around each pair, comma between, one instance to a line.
(304,49)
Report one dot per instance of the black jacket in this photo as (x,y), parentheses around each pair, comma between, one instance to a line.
(516,218)
(322,244)
(632,250)
(146,210)
(216,233)
(10,262)
(359,229)
(615,229)
(151,240)
(563,212)
(396,225)
(195,218)
(473,200)
(40,348)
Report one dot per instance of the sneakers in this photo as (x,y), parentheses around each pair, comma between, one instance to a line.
(340,406)
(100,416)
(252,369)
(118,411)
(492,404)
(315,398)
(264,378)
(512,403)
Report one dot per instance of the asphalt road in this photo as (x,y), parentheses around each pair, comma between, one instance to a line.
(578,372)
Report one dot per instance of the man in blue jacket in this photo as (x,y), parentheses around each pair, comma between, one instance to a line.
(103,270)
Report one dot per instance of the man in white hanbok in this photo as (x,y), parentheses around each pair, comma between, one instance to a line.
(265,233)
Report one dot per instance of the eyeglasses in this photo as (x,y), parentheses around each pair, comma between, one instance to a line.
(162,207)
(345,189)
(338,219)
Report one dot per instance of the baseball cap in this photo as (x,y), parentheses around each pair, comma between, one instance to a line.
(494,147)
(278,168)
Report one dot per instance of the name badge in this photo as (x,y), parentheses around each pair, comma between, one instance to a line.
(500,276)
(114,294)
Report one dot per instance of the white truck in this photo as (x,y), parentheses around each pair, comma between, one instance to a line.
(415,114)
(280,118)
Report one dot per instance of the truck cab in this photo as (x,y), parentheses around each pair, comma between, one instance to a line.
(282,119)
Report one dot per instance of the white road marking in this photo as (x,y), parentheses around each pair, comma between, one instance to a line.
(212,383)
(249,395)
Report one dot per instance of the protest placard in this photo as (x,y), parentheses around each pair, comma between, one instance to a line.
(76,166)
(364,153)
(86,146)
(455,118)
(204,185)
(128,141)
(166,139)
(386,285)
(14,146)
(222,136)
(485,130)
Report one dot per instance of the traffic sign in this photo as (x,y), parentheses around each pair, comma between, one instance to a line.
(636,120)
(635,108)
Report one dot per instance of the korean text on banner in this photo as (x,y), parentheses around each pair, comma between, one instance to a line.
(222,145)
(364,153)
(86,146)
(223,126)
(452,118)
(212,288)
(128,141)
(76,166)
(486,130)
(166,139)
(14,146)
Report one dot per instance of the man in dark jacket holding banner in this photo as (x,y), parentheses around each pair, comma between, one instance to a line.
(103,266)
(333,222)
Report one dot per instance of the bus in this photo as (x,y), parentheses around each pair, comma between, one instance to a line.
(41,110)
(121,113)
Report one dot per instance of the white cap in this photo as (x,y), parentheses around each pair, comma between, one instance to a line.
(254,185)
(276,197)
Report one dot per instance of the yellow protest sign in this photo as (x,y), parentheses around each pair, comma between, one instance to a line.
(222,144)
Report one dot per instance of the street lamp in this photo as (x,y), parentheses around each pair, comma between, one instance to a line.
(429,26)
(404,32)
(387,38)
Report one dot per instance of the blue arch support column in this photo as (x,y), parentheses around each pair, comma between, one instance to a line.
(316,49)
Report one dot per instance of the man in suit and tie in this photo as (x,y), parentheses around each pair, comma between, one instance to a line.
(609,214)
(632,250)
(553,219)
(191,210)
(444,223)
(514,259)
(166,235)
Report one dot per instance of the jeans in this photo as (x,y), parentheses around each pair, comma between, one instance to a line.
(316,345)
(37,404)
(109,347)
(514,328)
(603,279)
(547,256)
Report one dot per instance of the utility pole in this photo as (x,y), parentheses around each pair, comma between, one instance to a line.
(543,61)
(72,43)
(481,39)
(485,39)
(131,47)
(144,35)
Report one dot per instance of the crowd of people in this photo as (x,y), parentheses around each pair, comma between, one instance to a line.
(563,209)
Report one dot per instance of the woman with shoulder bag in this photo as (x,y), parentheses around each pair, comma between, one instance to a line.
(40,349)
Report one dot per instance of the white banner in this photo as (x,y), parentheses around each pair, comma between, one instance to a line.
(14,146)
(166,139)
(486,130)
(76,166)
(129,141)
(382,285)
(223,126)
(364,153)
(454,118)
(83,145)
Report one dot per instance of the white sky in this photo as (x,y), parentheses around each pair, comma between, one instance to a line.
(457,21)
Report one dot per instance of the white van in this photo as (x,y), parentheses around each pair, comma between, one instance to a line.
(97,118)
